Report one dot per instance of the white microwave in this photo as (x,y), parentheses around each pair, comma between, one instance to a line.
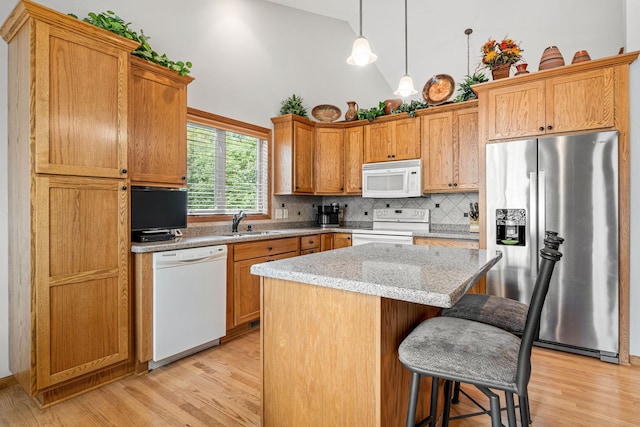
(392,180)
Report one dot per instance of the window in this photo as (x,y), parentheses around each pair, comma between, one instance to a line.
(227,166)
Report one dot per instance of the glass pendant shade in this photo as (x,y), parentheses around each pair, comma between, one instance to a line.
(361,53)
(405,87)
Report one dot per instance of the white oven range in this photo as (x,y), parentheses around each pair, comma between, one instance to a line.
(393,226)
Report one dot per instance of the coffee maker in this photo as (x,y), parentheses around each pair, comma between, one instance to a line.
(328,215)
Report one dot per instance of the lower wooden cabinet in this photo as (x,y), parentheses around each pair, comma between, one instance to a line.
(341,240)
(243,303)
(309,244)
(326,242)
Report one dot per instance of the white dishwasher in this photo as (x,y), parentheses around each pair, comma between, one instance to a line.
(189,302)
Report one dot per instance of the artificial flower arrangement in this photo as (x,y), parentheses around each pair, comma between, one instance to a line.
(505,52)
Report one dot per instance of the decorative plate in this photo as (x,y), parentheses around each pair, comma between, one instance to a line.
(438,89)
(326,113)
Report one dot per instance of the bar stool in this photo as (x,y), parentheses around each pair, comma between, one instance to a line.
(487,357)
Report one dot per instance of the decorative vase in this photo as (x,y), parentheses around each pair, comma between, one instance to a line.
(500,71)
(391,104)
(581,56)
(352,111)
(521,69)
(551,58)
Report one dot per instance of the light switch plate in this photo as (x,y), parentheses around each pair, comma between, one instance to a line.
(278,213)
(285,213)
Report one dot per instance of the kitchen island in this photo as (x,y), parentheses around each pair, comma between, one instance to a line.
(332,322)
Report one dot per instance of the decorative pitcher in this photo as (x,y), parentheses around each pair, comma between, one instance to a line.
(352,111)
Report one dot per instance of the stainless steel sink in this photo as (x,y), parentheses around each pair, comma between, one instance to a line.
(255,233)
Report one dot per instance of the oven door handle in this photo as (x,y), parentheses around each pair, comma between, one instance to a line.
(361,239)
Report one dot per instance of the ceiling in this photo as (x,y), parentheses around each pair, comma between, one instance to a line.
(437,43)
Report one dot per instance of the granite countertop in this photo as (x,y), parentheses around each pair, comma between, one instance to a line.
(431,275)
(249,236)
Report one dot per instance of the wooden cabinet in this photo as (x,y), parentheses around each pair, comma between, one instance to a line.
(353,159)
(326,242)
(566,103)
(330,164)
(69,296)
(81,276)
(157,124)
(450,150)
(244,300)
(341,240)
(397,139)
(293,155)
(310,244)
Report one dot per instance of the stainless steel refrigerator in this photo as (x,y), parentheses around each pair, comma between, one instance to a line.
(567,184)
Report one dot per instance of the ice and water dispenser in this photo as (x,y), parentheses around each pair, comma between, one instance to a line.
(511,227)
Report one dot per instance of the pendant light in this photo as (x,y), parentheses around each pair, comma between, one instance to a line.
(361,52)
(405,87)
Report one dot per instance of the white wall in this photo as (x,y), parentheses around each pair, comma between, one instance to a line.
(633,44)
(248,55)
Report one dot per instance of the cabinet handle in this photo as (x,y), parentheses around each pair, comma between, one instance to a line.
(124,187)
(123,170)
(269,260)
(549,127)
(541,128)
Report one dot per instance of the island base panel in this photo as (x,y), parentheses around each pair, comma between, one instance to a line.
(329,357)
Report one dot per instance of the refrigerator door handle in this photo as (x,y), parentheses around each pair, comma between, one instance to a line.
(542,207)
(533,220)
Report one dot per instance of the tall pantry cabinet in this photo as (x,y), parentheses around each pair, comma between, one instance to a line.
(69,296)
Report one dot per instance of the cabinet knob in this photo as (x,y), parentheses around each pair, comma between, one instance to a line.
(341,189)
(393,156)
(124,187)
(123,170)
(549,127)
(388,156)
(183,177)
(455,184)
(449,184)
(348,238)
(270,248)
(541,128)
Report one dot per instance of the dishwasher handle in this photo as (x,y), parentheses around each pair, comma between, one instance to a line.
(189,256)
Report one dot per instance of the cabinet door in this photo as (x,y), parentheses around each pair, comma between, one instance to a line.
(437,152)
(80,105)
(377,143)
(326,242)
(246,288)
(516,111)
(341,240)
(157,124)
(353,157)
(81,276)
(406,139)
(466,149)
(580,101)
(302,158)
(329,161)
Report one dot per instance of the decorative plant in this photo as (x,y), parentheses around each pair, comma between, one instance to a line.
(464,89)
(293,105)
(411,108)
(371,113)
(111,22)
(505,52)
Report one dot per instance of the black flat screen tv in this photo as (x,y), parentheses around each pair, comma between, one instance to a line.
(158,208)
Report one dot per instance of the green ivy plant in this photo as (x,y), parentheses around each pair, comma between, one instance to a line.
(371,113)
(111,22)
(411,108)
(464,88)
(293,105)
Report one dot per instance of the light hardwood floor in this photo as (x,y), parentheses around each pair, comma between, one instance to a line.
(221,387)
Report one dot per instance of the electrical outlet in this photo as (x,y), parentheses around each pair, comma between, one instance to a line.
(278,213)
(285,213)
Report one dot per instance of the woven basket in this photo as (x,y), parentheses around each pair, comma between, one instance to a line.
(500,71)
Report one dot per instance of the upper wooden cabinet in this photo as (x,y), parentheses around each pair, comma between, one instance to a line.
(397,139)
(80,88)
(293,155)
(544,103)
(450,149)
(330,155)
(157,124)
(353,159)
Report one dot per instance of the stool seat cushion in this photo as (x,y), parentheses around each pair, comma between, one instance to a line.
(503,313)
(462,350)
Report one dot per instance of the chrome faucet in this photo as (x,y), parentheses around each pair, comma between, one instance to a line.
(236,221)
